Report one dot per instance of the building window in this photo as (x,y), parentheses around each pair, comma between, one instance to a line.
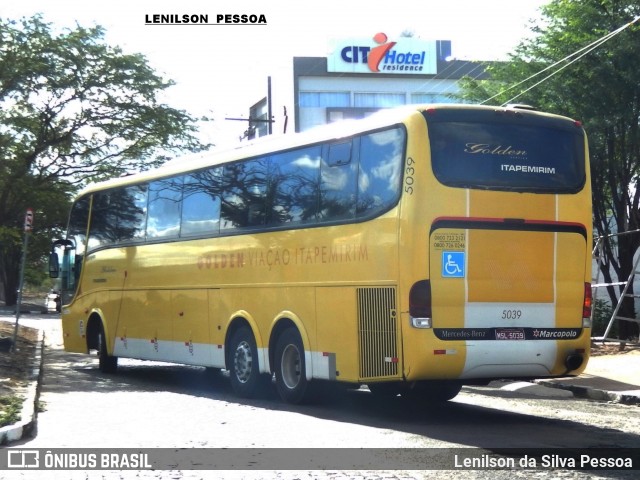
(379,100)
(324,99)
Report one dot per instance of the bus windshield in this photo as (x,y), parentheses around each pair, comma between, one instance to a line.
(524,156)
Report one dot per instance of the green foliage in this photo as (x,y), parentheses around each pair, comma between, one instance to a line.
(73,109)
(81,109)
(602,312)
(10,408)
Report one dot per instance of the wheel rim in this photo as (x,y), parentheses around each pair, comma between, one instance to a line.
(242,362)
(291,366)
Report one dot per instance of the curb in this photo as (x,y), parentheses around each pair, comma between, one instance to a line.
(535,389)
(594,393)
(27,423)
(25,312)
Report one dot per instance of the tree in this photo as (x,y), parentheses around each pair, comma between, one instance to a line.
(73,109)
(601,89)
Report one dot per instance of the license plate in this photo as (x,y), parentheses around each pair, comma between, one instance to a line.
(509,334)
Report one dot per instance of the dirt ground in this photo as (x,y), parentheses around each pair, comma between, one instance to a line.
(16,366)
(598,348)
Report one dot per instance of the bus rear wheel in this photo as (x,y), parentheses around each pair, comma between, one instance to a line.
(290,368)
(106,363)
(244,370)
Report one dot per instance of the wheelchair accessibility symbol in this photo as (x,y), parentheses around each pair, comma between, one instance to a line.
(453,264)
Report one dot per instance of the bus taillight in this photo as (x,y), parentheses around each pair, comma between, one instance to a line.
(587,305)
(420,304)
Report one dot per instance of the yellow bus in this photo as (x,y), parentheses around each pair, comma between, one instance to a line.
(414,251)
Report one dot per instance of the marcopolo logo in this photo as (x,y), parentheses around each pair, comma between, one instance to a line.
(407,55)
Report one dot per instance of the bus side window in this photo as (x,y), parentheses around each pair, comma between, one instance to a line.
(74,249)
(380,175)
(165,199)
(78,223)
(129,205)
(118,216)
(339,154)
(201,203)
(244,186)
(293,186)
(338,183)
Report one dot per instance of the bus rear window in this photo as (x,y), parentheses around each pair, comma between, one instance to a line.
(513,155)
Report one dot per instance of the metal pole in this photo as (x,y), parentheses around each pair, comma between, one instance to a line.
(269,111)
(20,285)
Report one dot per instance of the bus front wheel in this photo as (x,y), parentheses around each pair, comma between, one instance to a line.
(243,366)
(291,379)
(106,363)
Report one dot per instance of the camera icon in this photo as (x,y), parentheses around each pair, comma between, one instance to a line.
(23,458)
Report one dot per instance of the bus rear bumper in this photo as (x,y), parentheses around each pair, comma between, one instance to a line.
(504,359)
(496,359)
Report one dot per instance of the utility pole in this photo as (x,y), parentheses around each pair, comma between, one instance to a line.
(28,226)
(269,112)
(252,121)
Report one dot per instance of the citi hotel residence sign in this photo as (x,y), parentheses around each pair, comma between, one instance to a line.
(379,55)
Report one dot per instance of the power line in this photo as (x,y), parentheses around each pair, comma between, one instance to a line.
(450,76)
(580,53)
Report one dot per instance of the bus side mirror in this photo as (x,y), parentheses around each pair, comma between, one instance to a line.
(54,265)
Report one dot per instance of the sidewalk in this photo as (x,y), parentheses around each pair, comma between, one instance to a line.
(614,378)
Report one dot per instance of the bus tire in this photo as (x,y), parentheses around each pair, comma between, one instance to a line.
(244,370)
(106,363)
(433,391)
(290,368)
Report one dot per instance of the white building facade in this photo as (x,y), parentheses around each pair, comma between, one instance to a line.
(358,77)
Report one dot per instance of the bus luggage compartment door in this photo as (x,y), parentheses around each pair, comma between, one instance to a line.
(511,293)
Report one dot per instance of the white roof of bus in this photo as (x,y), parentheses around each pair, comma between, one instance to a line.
(333,131)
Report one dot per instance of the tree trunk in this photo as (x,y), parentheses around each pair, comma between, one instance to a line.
(10,270)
